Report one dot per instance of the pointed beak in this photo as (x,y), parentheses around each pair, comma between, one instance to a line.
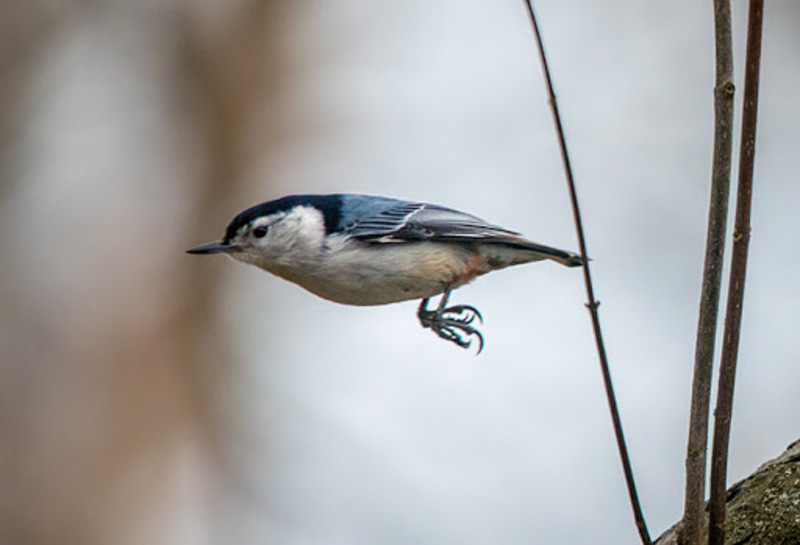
(219,247)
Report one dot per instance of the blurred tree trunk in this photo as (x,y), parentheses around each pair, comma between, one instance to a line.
(112,351)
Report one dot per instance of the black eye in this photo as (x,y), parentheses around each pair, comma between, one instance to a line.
(260,231)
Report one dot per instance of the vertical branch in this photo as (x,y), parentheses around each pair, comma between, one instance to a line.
(712,276)
(733,313)
(592,303)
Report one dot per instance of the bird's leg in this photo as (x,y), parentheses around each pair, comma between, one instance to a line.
(451,323)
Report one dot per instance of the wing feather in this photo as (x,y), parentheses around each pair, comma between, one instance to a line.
(407,221)
(383,221)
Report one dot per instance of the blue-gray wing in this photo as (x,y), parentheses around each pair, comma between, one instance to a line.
(380,220)
(389,220)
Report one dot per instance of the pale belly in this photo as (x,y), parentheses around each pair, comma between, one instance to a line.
(388,274)
(362,274)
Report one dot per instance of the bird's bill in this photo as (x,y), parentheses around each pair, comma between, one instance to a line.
(218,247)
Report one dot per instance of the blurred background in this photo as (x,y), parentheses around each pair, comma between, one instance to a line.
(148,396)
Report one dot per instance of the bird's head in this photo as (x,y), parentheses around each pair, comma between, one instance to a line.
(277,234)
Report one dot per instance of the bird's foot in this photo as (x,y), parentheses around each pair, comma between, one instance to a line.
(452,323)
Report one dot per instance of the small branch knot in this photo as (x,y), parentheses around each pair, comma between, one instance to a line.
(728,88)
(739,234)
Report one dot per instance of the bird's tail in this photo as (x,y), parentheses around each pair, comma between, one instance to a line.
(540,251)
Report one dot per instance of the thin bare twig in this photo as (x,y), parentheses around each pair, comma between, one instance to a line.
(733,313)
(697,444)
(592,302)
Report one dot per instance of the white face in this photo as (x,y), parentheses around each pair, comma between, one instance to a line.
(281,239)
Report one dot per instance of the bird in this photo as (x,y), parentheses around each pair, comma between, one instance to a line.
(368,250)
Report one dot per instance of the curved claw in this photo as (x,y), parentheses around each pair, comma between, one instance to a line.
(463,343)
(449,334)
(452,323)
(480,342)
(465,314)
(453,330)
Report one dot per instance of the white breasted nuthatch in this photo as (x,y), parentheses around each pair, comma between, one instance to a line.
(365,250)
